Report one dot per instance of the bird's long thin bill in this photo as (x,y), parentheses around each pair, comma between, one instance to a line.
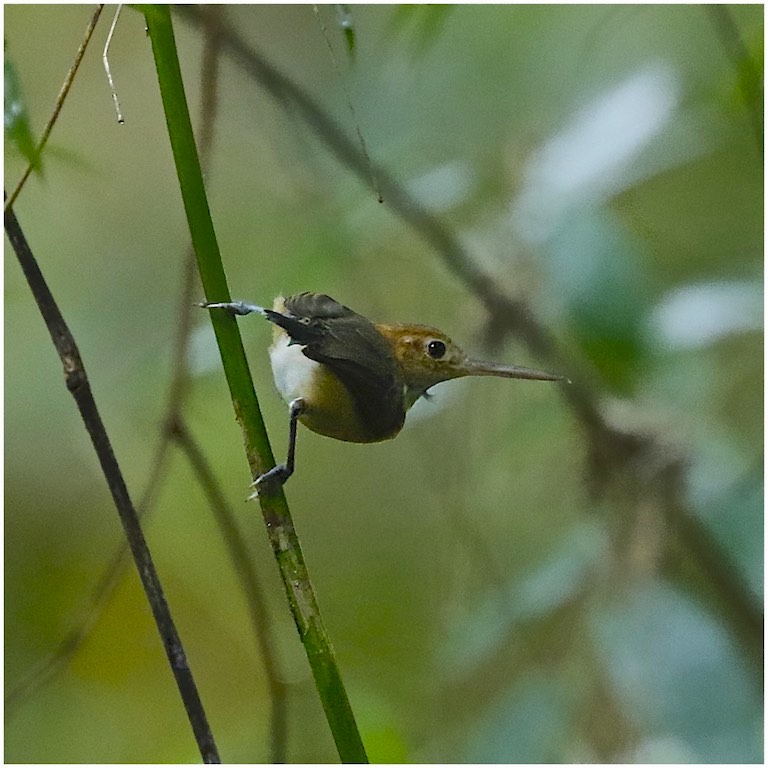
(481,368)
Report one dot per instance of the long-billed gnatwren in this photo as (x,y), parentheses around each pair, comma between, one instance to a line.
(348,378)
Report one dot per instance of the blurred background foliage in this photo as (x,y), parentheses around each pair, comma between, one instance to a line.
(527,573)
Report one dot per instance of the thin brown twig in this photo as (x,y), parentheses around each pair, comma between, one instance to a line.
(77,383)
(60,99)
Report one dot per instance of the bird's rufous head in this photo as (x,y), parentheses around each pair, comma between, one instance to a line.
(427,356)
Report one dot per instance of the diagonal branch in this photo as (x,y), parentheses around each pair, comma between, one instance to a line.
(60,99)
(77,383)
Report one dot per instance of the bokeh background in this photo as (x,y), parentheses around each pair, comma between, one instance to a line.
(507,581)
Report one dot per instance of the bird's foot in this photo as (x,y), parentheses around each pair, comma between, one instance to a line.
(275,476)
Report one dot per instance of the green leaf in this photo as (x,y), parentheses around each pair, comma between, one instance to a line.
(598,269)
(16,116)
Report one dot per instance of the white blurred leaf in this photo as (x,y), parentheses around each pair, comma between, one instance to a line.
(697,315)
(590,158)
(677,670)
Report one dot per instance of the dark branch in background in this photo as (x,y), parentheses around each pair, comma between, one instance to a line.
(11,199)
(174,428)
(748,73)
(614,453)
(77,383)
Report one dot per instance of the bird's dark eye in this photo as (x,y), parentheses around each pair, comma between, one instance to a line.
(436,349)
(305,320)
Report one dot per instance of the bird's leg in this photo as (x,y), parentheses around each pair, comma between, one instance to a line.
(235,307)
(282,472)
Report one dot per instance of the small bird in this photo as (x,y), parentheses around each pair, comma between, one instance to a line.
(348,378)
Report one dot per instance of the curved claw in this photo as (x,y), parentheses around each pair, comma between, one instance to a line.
(278,474)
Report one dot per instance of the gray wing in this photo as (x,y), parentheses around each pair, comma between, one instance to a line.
(352,348)
(309,304)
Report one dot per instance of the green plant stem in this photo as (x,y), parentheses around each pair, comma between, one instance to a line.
(280,528)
